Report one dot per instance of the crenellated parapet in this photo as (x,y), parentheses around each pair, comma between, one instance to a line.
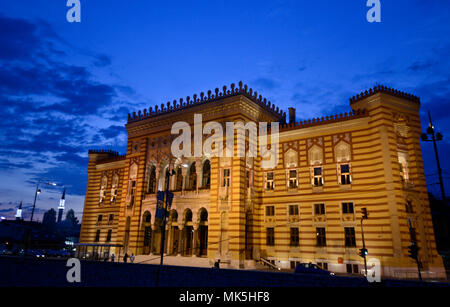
(104,151)
(241,89)
(384,89)
(325,120)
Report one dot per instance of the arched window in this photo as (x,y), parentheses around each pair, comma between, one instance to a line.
(151,187)
(203,215)
(192,178)
(188,216)
(147,217)
(206,174)
(179,181)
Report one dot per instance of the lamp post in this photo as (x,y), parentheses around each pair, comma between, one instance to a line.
(363,251)
(38,191)
(163,223)
(435,137)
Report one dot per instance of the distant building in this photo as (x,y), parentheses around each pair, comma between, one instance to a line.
(61,206)
(19,212)
(306,209)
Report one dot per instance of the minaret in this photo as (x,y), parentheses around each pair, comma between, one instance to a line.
(61,205)
(19,212)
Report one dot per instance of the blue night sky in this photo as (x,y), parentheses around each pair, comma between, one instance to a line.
(67,87)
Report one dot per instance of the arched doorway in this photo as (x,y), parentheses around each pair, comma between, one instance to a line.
(203,233)
(188,231)
(147,227)
(174,233)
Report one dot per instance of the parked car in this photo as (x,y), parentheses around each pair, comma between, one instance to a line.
(311,268)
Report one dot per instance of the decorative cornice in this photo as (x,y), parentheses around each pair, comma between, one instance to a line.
(324,120)
(384,89)
(210,97)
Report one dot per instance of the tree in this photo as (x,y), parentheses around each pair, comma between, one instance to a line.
(49,218)
(71,219)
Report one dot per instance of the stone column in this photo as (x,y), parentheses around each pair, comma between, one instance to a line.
(180,240)
(195,242)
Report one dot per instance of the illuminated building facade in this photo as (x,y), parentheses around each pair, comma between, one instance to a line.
(306,209)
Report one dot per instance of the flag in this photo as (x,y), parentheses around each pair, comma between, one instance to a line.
(163,204)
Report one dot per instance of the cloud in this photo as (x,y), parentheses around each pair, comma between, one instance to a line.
(266,83)
(53,111)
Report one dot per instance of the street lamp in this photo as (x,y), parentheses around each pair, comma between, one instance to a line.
(36,193)
(435,137)
(363,251)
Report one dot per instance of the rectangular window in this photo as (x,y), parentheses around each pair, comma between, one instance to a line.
(270,239)
(108,236)
(270,210)
(247,179)
(97,235)
(111,217)
(321,238)
(347,208)
(350,239)
(295,238)
(293,209)
(226,177)
(99,218)
(345,174)
(319,209)
(318,179)
(269,182)
(293,179)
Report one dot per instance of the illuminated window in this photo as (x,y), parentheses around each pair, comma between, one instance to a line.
(114,188)
(269,181)
(345,174)
(293,183)
(226,177)
(317,176)
(103,185)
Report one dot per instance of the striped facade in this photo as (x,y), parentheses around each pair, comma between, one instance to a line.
(306,209)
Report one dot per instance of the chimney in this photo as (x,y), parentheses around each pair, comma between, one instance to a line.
(291,115)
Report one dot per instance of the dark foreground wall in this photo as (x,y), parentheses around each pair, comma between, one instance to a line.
(52,272)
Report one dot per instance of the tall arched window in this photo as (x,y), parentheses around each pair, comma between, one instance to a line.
(151,187)
(192,178)
(179,181)
(206,174)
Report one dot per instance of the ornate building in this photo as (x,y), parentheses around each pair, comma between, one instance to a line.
(306,209)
